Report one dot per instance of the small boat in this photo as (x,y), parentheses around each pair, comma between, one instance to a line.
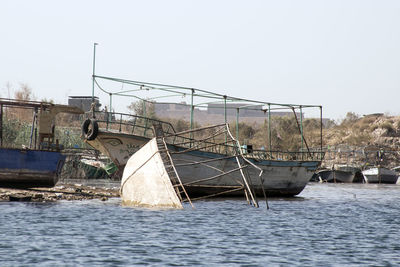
(39,163)
(380,175)
(93,168)
(338,174)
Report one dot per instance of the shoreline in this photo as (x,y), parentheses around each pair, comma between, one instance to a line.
(59,192)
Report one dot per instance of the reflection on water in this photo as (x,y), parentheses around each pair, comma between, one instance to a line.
(328,224)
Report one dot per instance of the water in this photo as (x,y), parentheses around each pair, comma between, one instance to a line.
(328,225)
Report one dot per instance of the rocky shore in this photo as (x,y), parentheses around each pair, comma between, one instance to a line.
(363,141)
(59,192)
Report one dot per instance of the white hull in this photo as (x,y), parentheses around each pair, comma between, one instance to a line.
(380,175)
(119,147)
(145,181)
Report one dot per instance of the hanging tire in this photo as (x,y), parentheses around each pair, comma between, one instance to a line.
(90,129)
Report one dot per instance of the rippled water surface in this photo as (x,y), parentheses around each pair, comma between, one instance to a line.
(327,225)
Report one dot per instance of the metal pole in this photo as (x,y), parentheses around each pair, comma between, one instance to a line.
(94,65)
(226,136)
(237,124)
(191,117)
(320,109)
(301,130)
(191,111)
(269,128)
(145,119)
(225,109)
(110,102)
(108,114)
(110,106)
(33,127)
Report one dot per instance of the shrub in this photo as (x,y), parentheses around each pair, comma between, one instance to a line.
(397,125)
(358,139)
(388,127)
(350,118)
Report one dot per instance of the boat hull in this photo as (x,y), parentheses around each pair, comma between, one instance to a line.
(30,168)
(336,176)
(196,170)
(279,178)
(380,175)
(119,147)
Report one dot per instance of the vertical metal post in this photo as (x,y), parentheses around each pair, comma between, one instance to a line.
(237,124)
(120,123)
(108,114)
(191,111)
(36,128)
(33,127)
(225,115)
(145,118)
(320,111)
(110,102)
(301,130)
(191,118)
(110,111)
(226,136)
(269,128)
(94,66)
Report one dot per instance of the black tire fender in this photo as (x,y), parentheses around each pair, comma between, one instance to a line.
(90,129)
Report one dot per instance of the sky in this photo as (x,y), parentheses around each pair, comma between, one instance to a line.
(343,55)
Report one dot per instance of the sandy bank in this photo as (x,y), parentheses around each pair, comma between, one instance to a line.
(59,192)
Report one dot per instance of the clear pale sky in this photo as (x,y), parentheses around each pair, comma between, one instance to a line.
(343,55)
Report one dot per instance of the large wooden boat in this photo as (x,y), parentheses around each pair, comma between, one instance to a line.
(284,173)
(204,167)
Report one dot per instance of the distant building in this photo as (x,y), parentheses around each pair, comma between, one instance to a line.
(215,112)
(84,102)
(255,111)
(171,107)
(173,110)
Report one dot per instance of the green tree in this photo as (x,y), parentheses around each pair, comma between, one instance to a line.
(143,108)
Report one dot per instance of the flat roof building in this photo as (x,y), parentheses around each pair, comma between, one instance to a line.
(83,102)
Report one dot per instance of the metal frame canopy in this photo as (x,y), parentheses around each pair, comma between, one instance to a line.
(149,92)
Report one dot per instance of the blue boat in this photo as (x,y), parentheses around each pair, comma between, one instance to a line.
(39,161)
(28,168)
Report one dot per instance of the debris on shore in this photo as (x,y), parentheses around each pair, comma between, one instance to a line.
(59,192)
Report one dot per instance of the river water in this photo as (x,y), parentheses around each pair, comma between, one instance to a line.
(326,225)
